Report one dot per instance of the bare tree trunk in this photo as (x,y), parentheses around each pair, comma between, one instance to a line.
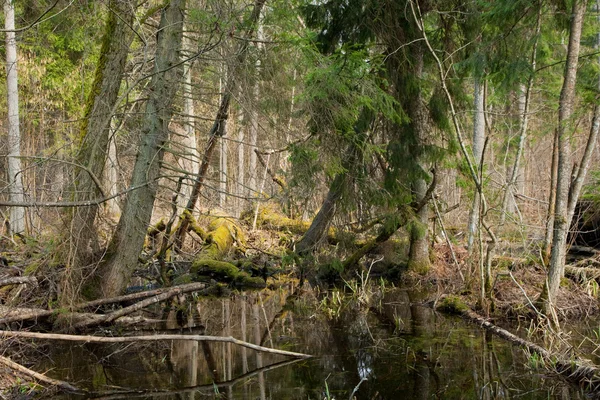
(565,126)
(217,129)
(418,255)
(253,123)
(240,166)
(95,136)
(524,121)
(112,178)
(547,246)
(190,160)
(15,174)
(223,172)
(323,218)
(478,143)
(128,240)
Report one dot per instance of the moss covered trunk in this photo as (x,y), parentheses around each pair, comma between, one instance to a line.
(128,240)
(94,136)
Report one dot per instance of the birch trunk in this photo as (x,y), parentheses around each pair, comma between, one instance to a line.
(128,240)
(253,123)
(190,160)
(15,174)
(565,127)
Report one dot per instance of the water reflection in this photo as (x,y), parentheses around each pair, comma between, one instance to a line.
(398,348)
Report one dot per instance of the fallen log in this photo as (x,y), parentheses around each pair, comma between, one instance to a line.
(10,314)
(149,338)
(37,376)
(108,318)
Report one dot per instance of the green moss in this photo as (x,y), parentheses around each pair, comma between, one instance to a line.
(32,268)
(419,266)
(183,279)
(244,280)
(452,305)
(215,269)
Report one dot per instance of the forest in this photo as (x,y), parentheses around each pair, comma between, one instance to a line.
(304,199)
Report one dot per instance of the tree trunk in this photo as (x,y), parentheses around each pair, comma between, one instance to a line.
(525,98)
(217,129)
(565,127)
(547,246)
(129,237)
(418,255)
(478,143)
(253,122)
(15,174)
(189,161)
(95,136)
(323,218)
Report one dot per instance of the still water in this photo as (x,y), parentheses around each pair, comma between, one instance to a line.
(394,348)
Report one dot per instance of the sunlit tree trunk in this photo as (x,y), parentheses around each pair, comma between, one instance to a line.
(565,127)
(253,117)
(190,160)
(128,239)
(15,174)
(478,143)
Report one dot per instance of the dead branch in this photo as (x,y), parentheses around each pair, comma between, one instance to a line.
(186,288)
(149,338)
(16,280)
(573,369)
(108,318)
(12,314)
(274,177)
(37,376)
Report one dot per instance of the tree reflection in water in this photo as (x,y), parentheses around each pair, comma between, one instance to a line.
(396,349)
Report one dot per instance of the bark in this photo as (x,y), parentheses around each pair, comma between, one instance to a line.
(523,124)
(253,120)
(418,255)
(128,239)
(95,136)
(565,126)
(217,129)
(547,246)
(323,218)
(190,160)
(478,143)
(15,174)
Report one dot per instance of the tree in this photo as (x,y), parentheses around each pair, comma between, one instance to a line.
(565,128)
(127,242)
(94,137)
(15,177)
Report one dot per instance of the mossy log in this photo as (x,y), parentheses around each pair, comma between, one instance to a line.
(204,269)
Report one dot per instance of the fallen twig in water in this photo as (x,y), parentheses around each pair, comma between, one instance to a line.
(149,338)
(37,376)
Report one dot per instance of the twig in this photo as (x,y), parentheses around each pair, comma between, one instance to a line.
(37,376)
(149,338)
(18,280)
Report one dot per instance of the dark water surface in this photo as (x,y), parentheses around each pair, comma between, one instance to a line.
(397,349)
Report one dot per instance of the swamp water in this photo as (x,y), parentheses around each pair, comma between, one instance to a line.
(397,350)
